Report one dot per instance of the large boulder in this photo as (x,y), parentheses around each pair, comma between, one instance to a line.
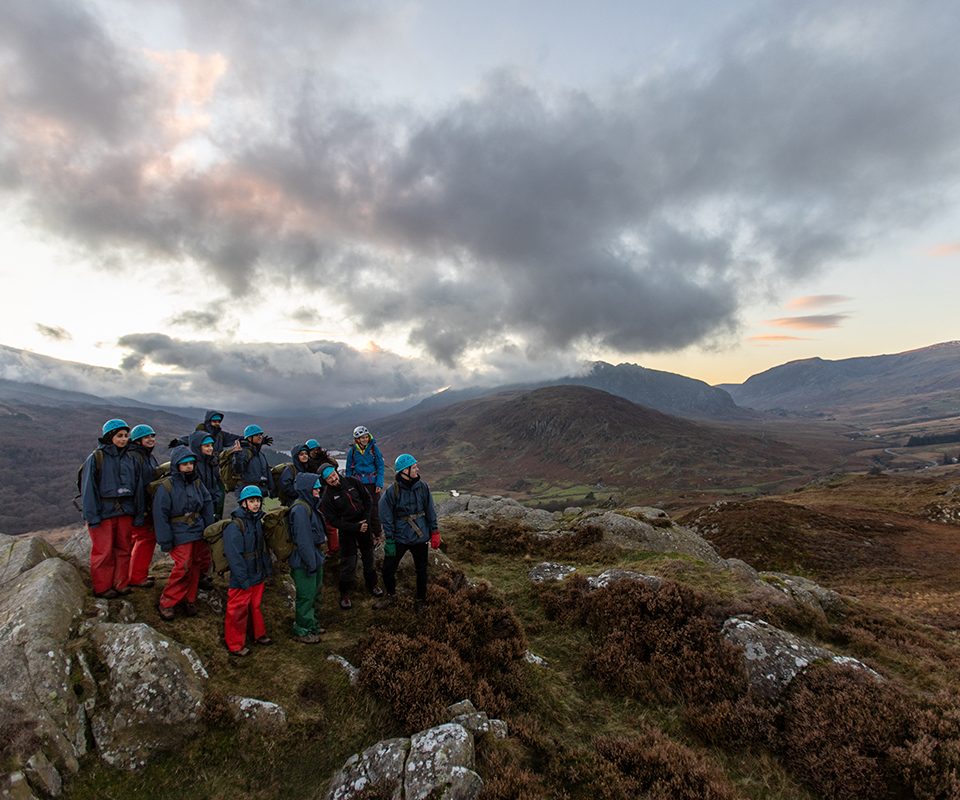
(21,553)
(636,533)
(40,711)
(804,592)
(490,509)
(378,766)
(440,764)
(775,657)
(151,695)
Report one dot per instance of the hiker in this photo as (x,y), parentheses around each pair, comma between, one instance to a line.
(203,445)
(409,523)
(182,508)
(308,533)
(319,457)
(347,506)
(287,483)
(212,422)
(365,462)
(143,440)
(246,552)
(251,464)
(111,493)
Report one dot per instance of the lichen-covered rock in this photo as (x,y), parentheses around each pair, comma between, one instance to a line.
(38,610)
(488,509)
(21,553)
(774,657)
(151,696)
(804,592)
(649,512)
(43,776)
(76,549)
(381,765)
(550,571)
(533,658)
(14,786)
(353,673)
(462,707)
(478,722)
(440,764)
(609,576)
(260,714)
(572,511)
(638,534)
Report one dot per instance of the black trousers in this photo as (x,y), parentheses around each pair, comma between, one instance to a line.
(374,526)
(390,564)
(350,543)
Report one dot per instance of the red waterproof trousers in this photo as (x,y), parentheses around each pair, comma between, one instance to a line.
(185,575)
(110,553)
(243,605)
(144,543)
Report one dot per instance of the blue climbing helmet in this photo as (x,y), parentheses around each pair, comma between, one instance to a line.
(251,430)
(207,440)
(313,444)
(325,472)
(250,491)
(317,484)
(113,425)
(139,431)
(404,460)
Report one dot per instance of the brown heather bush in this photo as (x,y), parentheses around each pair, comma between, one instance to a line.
(930,762)
(510,537)
(417,677)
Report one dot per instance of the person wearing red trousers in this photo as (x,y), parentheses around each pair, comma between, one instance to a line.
(182,508)
(143,439)
(249,560)
(111,493)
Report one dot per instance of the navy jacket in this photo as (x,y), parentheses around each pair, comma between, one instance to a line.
(189,499)
(253,467)
(366,464)
(208,467)
(307,528)
(246,549)
(399,502)
(347,505)
(114,490)
(288,478)
(149,471)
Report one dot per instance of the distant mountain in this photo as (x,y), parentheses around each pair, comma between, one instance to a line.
(920,381)
(577,434)
(661,391)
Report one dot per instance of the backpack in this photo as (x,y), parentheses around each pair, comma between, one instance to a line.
(276,532)
(277,471)
(154,485)
(228,471)
(97,467)
(213,536)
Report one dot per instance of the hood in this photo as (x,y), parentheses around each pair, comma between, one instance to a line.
(210,413)
(241,513)
(195,439)
(304,485)
(177,455)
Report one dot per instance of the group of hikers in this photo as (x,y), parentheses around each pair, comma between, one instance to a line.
(131,503)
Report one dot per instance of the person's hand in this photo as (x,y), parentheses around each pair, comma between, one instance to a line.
(435,540)
(379,490)
(173,443)
(268,440)
(236,447)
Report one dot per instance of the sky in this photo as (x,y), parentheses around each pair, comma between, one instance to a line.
(258,204)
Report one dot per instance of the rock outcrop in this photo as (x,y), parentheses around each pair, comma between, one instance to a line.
(632,530)
(21,553)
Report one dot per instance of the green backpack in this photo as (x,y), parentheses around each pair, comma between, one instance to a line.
(228,472)
(276,532)
(277,471)
(213,536)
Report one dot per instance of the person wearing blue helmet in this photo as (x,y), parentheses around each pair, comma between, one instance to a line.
(409,522)
(246,551)
(251,464)
(287,490)
(182,508)
(319,457)
(111,493)
(308,533)
(143,440)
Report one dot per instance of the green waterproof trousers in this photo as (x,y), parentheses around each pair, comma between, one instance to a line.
(308,587)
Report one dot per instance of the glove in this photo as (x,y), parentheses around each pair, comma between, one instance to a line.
(166,548)
(389,547)
(268,440)
(173,443)
(435,540)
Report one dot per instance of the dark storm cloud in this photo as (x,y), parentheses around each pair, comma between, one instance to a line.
(635,219)
(54,332)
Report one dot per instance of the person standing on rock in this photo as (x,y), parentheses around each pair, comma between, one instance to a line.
(308,533)
(143,439)
(182,508)
(111,492)
(251,464)
(409,524)
(246,551)
(287,490)
(365,463)
(347,506)
(208,468)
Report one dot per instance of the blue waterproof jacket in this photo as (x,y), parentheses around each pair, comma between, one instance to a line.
(208,468)
(181,508)
(366,464)
(253,468)
(307,528)
(246,549)
(400,505)
(288,478)
(149,471)
(114,490)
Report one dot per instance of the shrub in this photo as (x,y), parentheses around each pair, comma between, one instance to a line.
(930,762)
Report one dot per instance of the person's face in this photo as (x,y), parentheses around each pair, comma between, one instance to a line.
(207,449)
(303,456)
(215,423)
(364,440)
(257,438)
(120,438)
(149,440)
(413,471)
(185,467)
(315,452)
(333,479)
(316,491)
(252,504)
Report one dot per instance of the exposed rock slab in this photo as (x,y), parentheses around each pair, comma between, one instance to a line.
(380,765)
(353,673)
(76,549)
(609,576)
(21,553)
(259,714)
(804,592)
(638,534)
(153,693)
(489,509)
(440,764)
(550,571)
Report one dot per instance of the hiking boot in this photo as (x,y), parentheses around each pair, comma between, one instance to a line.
(308,638)
(110,594)
(149,582)
(206,583)
(376,591)
(123,592)
(385,602)
(190,609)
(165,613)
(243,651)
(345,603)
(264,640)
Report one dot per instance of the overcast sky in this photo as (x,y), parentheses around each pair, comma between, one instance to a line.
(360,200)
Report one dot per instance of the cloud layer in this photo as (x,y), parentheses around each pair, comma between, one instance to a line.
(510,224)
